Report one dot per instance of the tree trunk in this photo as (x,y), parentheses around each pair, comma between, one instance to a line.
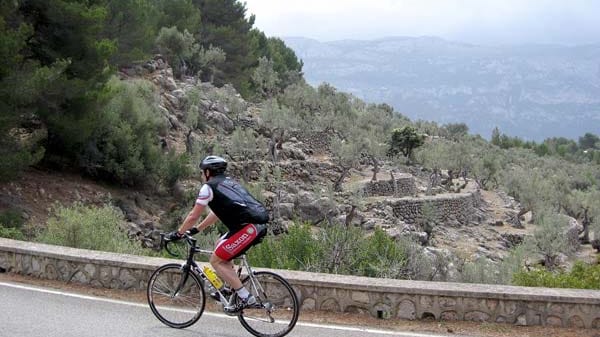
(394,183)
(375,169)
(585,239)
(281,139)
(350,216)
(337,186)
(188,142)
(273,150)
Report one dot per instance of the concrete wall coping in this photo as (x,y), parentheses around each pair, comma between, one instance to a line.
(355,283)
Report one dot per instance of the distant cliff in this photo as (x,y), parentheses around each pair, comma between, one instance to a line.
(529,91)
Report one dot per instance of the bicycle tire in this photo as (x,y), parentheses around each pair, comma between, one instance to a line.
(183,309)
(277,308)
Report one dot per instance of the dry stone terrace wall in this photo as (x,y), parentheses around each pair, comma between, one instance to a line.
(305,170)
(402,187)
(387,298)
(317,142)
(451,209)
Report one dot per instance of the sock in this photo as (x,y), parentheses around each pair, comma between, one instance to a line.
(243,293)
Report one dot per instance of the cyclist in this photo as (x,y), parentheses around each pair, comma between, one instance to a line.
(244,217)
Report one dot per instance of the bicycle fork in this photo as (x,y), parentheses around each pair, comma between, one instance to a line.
(186,272)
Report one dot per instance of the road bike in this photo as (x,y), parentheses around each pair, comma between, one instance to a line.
(177,294)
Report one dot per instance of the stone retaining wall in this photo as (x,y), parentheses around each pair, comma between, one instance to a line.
(317,141)
(403,186)
(450,209)
(386,298)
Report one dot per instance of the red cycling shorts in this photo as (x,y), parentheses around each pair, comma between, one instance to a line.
(229,248)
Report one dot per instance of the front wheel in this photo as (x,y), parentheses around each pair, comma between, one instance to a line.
(277,308)
(176,297)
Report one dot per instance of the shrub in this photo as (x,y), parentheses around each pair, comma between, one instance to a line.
(11,223)
(176,166)
(124,146)
(382,256)
(11,218)
(581,276)
(88,227)
(296,250)
(344,250)
(11,233)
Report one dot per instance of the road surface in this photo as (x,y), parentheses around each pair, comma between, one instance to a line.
(31,311)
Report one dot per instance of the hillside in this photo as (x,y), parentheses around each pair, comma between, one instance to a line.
(530,91)
(468,223)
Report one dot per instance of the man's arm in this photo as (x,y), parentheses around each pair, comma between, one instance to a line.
(210,219)
(192,218)
(194,215)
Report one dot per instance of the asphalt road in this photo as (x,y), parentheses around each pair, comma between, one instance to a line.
(27,311)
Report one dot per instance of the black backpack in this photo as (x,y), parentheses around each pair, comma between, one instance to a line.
(233,204)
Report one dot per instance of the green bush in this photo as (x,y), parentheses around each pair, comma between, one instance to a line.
(124,146)
(88,227)
(581,276)
(382,256)
(11,233)
(341,250)
(176,166)
(11,223)
(296,250)
(11,218)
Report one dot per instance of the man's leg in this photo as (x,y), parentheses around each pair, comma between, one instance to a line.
(226,270)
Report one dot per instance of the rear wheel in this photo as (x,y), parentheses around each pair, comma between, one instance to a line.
(176,298)
(277,308)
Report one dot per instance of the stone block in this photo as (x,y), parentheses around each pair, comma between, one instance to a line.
(477,316)
(554,321)
(407,310)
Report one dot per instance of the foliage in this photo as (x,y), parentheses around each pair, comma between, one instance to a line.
(550,240)
(381,257)
(404,140)
(265,78)
(177,47)
(455,131)
(346,250)
(132,26)
(208,60)
(123,145)
(581,276)
(11,223)
(486,271)
(296,250)
(225,25)
(285,64)
(11,218)
(177,166)
(88,227)
(24,84)
(302,99)
(587,149)
(244,144)
(58,56)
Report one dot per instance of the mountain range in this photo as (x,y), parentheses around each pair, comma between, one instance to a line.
(529,91)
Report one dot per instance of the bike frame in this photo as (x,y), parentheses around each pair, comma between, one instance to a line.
(190,265)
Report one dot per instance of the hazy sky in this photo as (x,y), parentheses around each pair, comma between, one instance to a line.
(476,21)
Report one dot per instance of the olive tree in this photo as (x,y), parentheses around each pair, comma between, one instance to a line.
(346,155)
(549,240)
(278,120)
(265,78)
(404,140)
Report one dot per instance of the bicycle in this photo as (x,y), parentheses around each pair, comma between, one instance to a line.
(176,294)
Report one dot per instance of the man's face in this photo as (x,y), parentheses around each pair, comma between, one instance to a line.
(205,175)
